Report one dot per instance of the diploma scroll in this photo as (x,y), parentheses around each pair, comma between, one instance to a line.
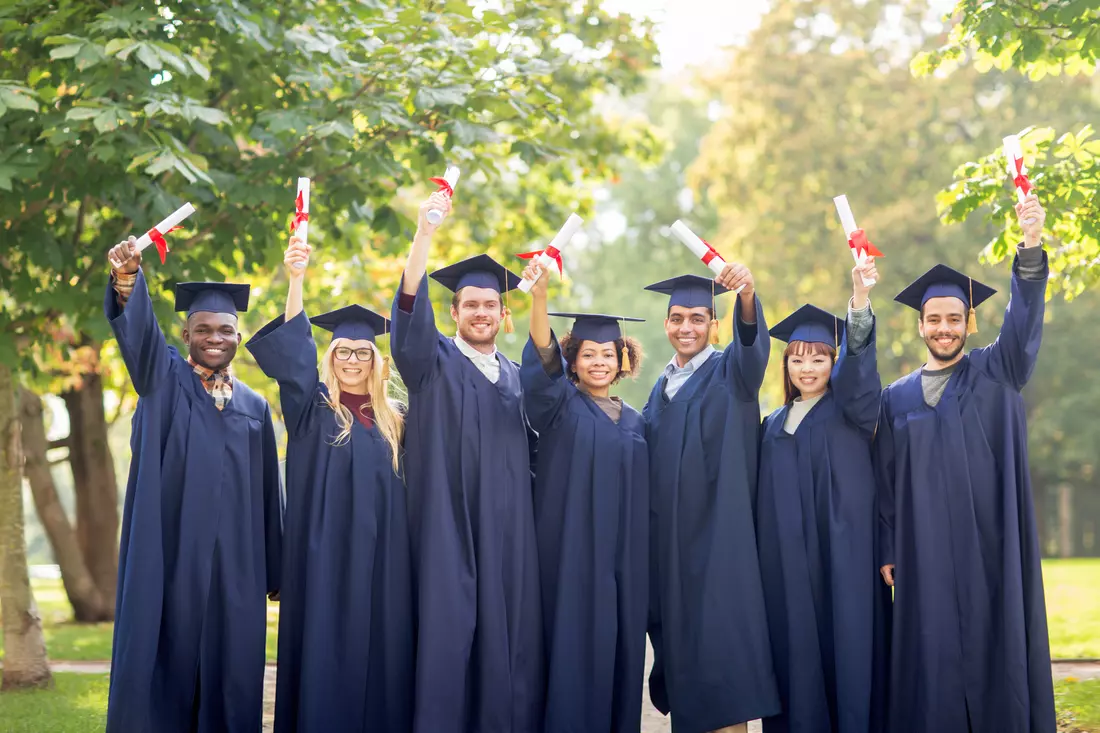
(1014,164)
(447,185)
(701,249)
(857,238)
(551,256)
(156,234)
(300,224)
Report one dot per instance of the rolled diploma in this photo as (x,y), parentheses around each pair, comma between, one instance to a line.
(1012,152)
(303,228)
(699,248)
(572,224)
(451,177)
(849,223)
(173,219)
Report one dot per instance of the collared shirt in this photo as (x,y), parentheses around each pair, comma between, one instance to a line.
(676,376)
(219,384)
(487,364)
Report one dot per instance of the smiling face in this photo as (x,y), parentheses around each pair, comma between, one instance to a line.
(596,365)
(687,330)
(478,312)
(943,328)
(211,338)
(352,372)
(809,365)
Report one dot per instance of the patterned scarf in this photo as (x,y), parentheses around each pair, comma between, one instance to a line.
(218,383)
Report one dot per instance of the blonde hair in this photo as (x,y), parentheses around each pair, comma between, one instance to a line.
(388,419)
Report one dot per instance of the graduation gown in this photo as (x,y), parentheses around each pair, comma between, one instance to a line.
(592,524)
(201,543)
(969,639)
(480,665)
(827,605)
(346,612)
(712,660)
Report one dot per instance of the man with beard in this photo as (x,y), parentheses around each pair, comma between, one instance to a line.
(480,653)
(957,537)
(202,524)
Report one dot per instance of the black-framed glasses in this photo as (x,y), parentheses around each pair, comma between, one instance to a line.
(343,353)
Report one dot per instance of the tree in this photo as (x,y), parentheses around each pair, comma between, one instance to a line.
(1035,39)
(25,661)
(112,116)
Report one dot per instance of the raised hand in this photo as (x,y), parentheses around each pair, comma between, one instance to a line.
(734,276)
(867,271)
(296,258)
(125,257)
(438,201)
(533,271)
(1032,216)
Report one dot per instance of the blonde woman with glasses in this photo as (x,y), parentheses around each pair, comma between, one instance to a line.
(346,618)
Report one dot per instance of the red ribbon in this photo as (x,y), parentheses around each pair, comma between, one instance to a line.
(858,241)
(443,185)
(299,215)
(1021,180)
(551,252)
(711,254)
(158,239)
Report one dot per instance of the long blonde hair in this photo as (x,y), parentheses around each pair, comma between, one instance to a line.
(390,421)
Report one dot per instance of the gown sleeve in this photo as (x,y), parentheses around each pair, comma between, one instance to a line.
(884,475)
(414,339)
(544,395)
(856,384)
(140,340)
(286,352)
(746,356)
(274,504)
(1010,359)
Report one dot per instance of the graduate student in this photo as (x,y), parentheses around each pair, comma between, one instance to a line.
(712,659)
(591,517)
(346,612)
(957,536)
(815,521)
(480,664)
(202,523)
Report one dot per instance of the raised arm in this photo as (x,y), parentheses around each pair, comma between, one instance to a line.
(129,309)
(746,356)
(855,380)
(542,373)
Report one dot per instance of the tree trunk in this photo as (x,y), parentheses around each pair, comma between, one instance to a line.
(84,596)
(94,483)
(25,661)
(1065,520)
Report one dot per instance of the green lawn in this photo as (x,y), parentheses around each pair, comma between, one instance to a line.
(1078,706)
(77,704)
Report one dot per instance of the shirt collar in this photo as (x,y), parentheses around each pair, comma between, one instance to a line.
(471,353)
(696,361)
(207,374)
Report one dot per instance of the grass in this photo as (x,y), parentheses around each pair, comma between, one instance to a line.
(1078,705)
(76,704)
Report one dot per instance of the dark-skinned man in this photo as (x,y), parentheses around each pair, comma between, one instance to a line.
(202,523)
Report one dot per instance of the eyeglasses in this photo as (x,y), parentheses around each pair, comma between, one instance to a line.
(343,353)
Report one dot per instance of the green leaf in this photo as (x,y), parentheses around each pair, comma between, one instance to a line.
(426,97)
(211,115)
(148,56)
(197,66)
(117,44)
(18,100)
(3,109)
(83,113)
(66,52)
(142,159)
(62,40)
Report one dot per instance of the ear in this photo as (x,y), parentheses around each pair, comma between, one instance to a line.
(238,338)
(186,336)
(454,314)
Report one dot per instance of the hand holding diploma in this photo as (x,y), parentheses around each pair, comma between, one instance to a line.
(447,186)
(858,243)
(299,225)
(437,203)
(701,248)
(296,257)
(1014,163)
(533,272)
(864,277)
(735,278)
(156,234)
(125,257)
(551,256)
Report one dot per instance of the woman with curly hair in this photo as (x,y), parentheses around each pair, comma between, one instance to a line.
(591,518)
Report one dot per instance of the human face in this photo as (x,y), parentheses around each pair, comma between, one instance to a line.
(212,339)
(687,330)
(596,366)
(352,374)
(943,328)
(478,316)
(808,372)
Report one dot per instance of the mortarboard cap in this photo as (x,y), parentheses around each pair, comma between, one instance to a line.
(352,322)
(689,291)
(212,297)
(597,326)
(944,282)
(480,271)
(809,323)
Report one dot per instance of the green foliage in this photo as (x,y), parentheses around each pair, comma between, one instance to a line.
(1078,705)
(114,115)
(1037,40)
(76,704)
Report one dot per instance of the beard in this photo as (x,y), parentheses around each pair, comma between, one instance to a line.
(945,353)
(474,338)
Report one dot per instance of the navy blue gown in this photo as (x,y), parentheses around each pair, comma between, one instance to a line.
(815,522)
(346,614)
(592,523)
(480,662)
(969,643)
(712,660)
(201,543)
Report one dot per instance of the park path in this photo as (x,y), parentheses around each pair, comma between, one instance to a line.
(652,721)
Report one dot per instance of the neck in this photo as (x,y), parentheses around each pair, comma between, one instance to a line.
(604,391)
(196,362)
(360,391)
(682,360)
(936,364)
(807,396)
(483,348)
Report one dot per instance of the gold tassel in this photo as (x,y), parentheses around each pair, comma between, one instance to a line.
(972,317)
(713,336)
(385,368)
(626,367)
(509,326)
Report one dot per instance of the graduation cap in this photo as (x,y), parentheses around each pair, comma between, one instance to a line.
(812,324)
(352,322)
(944,282)
(480,271)
(601,329)
(692,291)
(213,297)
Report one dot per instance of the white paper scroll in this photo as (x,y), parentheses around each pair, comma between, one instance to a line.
(303,226)
(451,177)
(172,220)
(700,249)
(1014,152)
(849,223)
(572,224)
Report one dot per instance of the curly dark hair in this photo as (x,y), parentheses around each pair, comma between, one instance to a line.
(570,347)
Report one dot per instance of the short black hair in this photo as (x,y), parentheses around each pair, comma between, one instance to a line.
(457,298)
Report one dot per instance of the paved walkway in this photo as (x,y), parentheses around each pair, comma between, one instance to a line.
(652,721)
